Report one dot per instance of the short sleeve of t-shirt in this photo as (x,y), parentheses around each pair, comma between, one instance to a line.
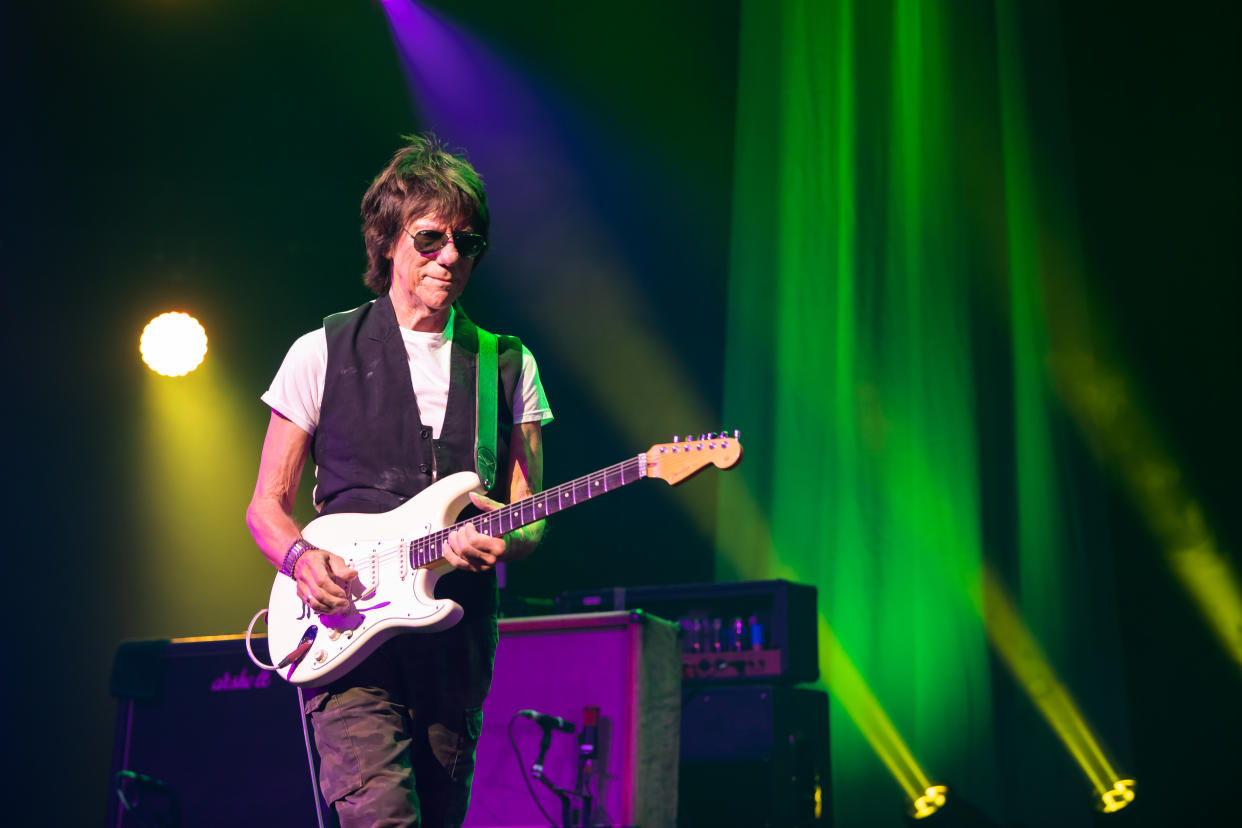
(297,389)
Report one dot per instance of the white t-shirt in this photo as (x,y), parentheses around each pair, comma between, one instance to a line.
(297,390)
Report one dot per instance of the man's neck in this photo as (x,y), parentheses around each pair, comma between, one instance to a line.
(421,318)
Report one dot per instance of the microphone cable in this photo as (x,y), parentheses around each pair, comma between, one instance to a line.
(310,759)
(522,769)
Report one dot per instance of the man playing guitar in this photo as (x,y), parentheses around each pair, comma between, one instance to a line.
(384,399)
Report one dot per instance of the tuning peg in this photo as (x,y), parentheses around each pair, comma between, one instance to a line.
(676,439)
(689,438)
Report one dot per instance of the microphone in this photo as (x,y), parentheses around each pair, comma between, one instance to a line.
(589,738)
(546,721)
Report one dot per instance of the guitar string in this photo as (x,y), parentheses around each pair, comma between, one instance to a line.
(433,543)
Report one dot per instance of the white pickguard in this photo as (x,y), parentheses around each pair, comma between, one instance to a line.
(389,596)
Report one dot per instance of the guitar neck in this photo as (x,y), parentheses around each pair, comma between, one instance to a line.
(426,550)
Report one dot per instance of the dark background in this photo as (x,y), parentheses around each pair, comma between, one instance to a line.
(211,156)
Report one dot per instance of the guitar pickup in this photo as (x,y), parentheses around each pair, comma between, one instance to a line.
(366,565)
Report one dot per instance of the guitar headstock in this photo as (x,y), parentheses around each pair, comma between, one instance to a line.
(674,462)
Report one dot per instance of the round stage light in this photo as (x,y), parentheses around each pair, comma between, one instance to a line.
(932,800)
(1121,795)
(173,344)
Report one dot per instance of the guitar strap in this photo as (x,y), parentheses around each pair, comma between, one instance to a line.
(485,416)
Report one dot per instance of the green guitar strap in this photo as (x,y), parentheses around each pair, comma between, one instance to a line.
(485,417)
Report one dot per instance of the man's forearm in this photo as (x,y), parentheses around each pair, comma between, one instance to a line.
(273,529)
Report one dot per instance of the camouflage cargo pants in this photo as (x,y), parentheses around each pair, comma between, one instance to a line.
(397,735)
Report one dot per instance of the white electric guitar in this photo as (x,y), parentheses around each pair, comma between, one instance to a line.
(398,558)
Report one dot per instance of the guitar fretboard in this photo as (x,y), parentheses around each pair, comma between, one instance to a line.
(426,550)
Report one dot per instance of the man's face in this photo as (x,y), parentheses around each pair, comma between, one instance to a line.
(428,281)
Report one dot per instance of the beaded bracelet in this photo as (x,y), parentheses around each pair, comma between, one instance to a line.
(296,549)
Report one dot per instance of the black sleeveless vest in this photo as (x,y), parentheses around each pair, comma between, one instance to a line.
(371,449)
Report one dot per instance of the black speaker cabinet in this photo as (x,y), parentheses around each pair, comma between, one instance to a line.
(203,738)
(754,756)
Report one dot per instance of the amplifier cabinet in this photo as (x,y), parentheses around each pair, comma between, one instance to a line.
(748,631)
(203,738)
(625,663)
(754,756)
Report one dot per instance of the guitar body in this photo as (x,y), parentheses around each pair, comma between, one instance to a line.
(389,596)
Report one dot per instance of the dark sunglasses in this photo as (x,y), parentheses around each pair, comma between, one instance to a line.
(430,242)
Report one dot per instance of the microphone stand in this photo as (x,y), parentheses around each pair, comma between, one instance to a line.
(583,793)
(565,795)
(587,745)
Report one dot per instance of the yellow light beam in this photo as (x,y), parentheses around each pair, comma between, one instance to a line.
(195,563)
(1103,404)
(860,703)
(1025,659)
